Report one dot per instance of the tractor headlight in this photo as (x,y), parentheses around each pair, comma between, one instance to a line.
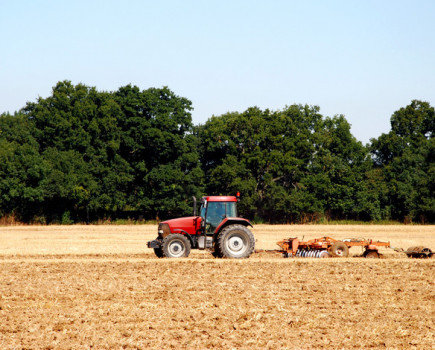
(163,230)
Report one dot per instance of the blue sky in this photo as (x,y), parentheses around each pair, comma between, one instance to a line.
(364,59)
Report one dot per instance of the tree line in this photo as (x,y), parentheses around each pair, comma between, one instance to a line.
(82,155)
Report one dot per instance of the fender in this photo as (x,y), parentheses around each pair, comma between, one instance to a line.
(229,221)
(187,234)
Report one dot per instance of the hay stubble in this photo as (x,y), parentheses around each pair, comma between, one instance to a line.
(120,297)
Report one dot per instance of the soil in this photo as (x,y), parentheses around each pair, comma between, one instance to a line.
(82,287)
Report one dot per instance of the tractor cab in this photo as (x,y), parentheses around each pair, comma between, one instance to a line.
(215,210)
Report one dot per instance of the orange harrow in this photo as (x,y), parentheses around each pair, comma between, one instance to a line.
(326,246)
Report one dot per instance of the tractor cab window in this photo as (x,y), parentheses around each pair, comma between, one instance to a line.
(202,211)
(217,212)
(230,210)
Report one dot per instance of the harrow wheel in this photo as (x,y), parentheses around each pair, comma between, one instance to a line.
(371,254)
(339,249)
(175,246)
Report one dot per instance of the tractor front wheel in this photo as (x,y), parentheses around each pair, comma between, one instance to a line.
(158,251)
(235,241)
(175,246)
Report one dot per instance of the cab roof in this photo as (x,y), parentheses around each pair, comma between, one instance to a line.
(220,198)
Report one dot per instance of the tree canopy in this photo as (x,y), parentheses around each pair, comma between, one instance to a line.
(83,154)
(81,151)
(405,159)
(291,165)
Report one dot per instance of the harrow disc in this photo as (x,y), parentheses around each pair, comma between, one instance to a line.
(323,254)
(312,253)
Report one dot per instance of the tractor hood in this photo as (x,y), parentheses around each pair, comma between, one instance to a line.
(189,224)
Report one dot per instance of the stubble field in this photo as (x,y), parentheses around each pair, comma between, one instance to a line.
(82,287)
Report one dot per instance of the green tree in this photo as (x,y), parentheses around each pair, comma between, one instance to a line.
(79,138)
(291,165)
(21,167)
(107,153)
(406,158)
(158,143)
(337,171)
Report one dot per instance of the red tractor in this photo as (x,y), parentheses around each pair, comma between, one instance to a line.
(216,228)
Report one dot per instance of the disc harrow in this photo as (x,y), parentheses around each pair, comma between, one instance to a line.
(326,247)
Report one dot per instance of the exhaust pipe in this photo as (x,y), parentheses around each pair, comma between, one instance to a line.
(194,205)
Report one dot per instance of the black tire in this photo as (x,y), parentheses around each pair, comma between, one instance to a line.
(426,253)
(235,241)
(176,246)
(339,249)
(371,254)
(158,252)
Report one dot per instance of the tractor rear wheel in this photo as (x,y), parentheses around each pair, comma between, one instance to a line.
(339,249)
(235,241)
(175,246)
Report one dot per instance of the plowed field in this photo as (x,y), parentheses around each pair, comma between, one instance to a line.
(82,287)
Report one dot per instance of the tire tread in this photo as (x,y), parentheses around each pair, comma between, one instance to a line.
(220,242)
